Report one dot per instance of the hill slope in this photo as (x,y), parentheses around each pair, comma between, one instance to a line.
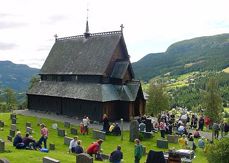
(198,54)
(16,76)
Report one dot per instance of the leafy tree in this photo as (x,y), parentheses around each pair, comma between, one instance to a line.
(158,99)
(34,81)
(212,100)
(10,97)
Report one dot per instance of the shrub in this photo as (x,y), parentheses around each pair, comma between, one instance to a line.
(218,152)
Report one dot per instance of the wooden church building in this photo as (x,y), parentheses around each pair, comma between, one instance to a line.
(90,75)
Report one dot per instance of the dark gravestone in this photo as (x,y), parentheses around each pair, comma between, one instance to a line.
(14,120)
(67,124)
(12,133)
(97,134)
(51,146)
(148,125)
(28,124)
(2,124)
(67,140)
(162,143)
(10,138)
(29,130)
(2,145)
(84,158)
(73,131)
(172,138)
(13,116)
(61,132)
(147,134)
(13,127)
(4,160)
(50,160)
(134,132)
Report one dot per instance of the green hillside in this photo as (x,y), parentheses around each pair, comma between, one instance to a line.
(198,54)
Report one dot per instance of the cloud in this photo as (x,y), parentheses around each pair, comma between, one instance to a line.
(8,24)
(54,19)
(7,46)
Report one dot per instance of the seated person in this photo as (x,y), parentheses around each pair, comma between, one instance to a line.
(95,148)
(73,144)
(111,127)
(142,127)
(78,148)
(181,130)
(201,143)
(29,142)
(196,134)
(182,141)
(18,141)
(116,130)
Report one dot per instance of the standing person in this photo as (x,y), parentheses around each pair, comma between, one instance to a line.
(221,128)
(86,123)
(44,135)
(116,156)
(226,128)
(162,128)
(73,144)
(138,151)
(215,128)
(201,123)
(106,125)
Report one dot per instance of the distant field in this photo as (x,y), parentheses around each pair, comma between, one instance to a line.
(226,70)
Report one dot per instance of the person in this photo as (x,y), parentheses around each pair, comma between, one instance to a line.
(216,128)
(190,139)
(201,123)
(181,130)
(201,143)
(73,144)
(116,156)
(162,127)
(29,142)
(142,126)
(95,148)
(196,134)
(18,141)
(44,135)
(193,121)
(86,123)
(138,151)
(111,127)
(81,128)
(226,128)
(221,126)
(116,131)
(105,123)
(78,148)
(207,122)
(183,141)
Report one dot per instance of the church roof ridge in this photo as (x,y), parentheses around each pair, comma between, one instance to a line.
(91,35)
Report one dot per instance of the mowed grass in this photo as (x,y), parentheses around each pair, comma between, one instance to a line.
(61,152)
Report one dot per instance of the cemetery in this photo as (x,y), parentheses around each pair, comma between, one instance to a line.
(58,142)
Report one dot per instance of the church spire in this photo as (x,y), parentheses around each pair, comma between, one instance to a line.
(87,34)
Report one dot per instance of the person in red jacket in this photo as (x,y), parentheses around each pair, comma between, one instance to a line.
(95,147)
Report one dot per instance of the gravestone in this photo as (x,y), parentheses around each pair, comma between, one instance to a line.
(2,145)
(4,160)
(97,134)
(148,125)
(84,158)
(50,160)
(2,124)
(61,132)
(73,131)
(13,120)
(10,138)
(13,116)
(67,140)
(162,143)
(147,134)
(51,146)
(67,124)
(134,132)
(28,124)
(12,133)
(172,138)
(29,130)
(13,127)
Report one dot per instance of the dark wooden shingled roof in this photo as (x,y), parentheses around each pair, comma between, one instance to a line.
(87,91)
(82,56)
(119,69)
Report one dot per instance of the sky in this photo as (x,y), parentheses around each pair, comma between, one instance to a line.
(27,27)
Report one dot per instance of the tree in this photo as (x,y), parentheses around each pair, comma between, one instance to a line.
(10,97)
(212,101)
(158,100)
(34,81)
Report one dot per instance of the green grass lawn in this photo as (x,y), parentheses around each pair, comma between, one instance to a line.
(61,152)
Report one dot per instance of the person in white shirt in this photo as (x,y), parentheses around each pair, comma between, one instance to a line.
(73,144)
(86,123)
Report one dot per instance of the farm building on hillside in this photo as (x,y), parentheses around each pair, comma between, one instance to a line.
(88,74)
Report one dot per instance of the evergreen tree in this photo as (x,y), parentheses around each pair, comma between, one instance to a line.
(212,101)
(10,97)
(158,100)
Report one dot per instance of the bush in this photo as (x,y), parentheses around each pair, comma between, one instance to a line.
(218,152)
